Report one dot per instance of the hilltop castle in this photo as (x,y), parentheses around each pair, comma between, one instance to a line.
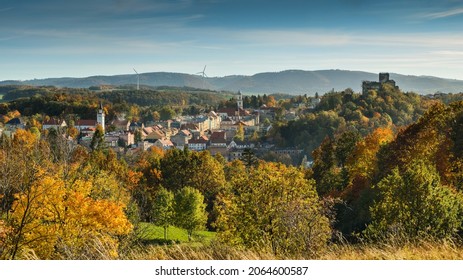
(383,79)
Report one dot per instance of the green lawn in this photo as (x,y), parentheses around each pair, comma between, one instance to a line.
(152,234)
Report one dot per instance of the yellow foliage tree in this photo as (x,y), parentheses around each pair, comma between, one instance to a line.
(58,221)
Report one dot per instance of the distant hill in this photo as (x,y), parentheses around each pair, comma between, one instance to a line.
(289,81)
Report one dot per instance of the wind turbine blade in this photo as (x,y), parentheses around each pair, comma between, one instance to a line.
(204,70)
(135,71)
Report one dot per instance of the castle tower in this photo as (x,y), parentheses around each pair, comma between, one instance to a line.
(383,77)
(239,101)
(100,116)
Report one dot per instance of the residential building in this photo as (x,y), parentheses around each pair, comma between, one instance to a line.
(198,144)
(15,123)
(164,144)
(152,133)
(86,124)
(54,123)
(181,138)
(121,125)
(218,143)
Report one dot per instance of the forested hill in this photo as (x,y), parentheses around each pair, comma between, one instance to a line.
(290,81)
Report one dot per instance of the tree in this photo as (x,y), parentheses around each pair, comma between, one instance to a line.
(58,210)
(198,170)
(98,139)
(249,158)
(414,204)
(166,113)
(190,210)
(239,136)
(255,136)
(272,207)
(163,209)
(59,222)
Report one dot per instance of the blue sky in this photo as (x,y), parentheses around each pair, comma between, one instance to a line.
(61,38)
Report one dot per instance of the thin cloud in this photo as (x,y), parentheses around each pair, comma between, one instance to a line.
(444,14)
(5,9)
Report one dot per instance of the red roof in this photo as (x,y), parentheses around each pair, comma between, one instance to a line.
(52,121)
(200,140)
(216,135)
(86,123)
(233,112)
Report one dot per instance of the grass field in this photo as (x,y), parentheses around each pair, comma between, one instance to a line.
(152,234)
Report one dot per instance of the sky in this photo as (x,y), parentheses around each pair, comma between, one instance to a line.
(64,38)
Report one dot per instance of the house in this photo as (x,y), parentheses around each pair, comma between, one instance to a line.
(198,144)
(136,125)
(236,144)
(15,123)
(152,133)
(235,154)
(112,140)
(86,124)
(54,123)
(218,143)
(164,144)
(181,138)
(121,125)
(291,152)
(144,145)
(128,138)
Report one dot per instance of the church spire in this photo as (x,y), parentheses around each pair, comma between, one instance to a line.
(100,116)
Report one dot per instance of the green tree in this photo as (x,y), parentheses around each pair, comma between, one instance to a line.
(198,170)
(166,113)
(272,207)
(414,204)
(163,210)
(249,158)
(190,210)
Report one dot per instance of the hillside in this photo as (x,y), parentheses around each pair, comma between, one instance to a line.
(290,81)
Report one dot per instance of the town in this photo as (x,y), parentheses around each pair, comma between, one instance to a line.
(228,132)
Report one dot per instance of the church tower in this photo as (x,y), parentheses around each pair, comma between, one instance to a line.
(100,116)
(239,101)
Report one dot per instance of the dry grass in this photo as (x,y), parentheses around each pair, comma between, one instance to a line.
(425,250)
(213,251)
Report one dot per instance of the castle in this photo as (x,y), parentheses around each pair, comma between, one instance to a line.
(371,85)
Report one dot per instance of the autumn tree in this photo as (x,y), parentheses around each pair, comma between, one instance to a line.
(58,222)
(190,210)
(146,171)
(97,142)
(272,207)
(239,136)
(55,211)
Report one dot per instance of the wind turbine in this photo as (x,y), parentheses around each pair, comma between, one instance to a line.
(203,74)
(138,79)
